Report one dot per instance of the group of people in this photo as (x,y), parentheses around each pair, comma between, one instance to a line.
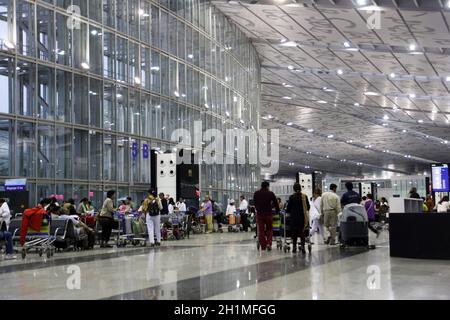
(443,206)
(308,217)
(212,211)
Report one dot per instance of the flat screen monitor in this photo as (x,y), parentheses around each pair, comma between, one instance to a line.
(440,177)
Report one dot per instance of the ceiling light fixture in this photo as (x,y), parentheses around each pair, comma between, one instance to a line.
(386,117)
(290,67)
(412,95)
(287,98)
(322,102)
(412,47)
(331,136)
(346,44)
(392,75)
(340,72)
(289,124)
(357,104)
(310,130)
(371,93)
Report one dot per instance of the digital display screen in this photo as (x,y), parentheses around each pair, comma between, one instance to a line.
(440,178)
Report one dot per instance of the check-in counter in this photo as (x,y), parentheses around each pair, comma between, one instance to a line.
(420,235)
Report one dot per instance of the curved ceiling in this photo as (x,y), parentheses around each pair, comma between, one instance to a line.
(356,87)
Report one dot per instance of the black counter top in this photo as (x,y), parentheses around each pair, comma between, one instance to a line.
(420,235)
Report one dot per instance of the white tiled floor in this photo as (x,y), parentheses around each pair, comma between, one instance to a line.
(224,266)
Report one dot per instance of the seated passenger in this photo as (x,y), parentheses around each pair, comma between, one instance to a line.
(5,215)
(124,207)
(7,237)
(85,207)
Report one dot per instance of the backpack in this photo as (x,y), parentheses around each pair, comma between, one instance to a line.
(153,209)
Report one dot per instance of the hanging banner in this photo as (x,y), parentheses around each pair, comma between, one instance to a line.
(145,151)
(135,151)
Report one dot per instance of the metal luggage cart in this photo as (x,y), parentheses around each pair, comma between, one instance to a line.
(42,241)
(286,241)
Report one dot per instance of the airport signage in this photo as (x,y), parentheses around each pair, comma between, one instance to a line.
(440,177)
(15,185)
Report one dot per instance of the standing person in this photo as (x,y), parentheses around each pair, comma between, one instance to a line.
(208,212)
(384,209)
(350,196)
(265,200)
(181,206)
(5,215)
(370,208)
(106,218)
(443,206)
(231,208)
(84,207)
(330,206)
(153,207)
(413,193)
(314,214)
(298,208)
(243,210)
(218,215)
(131,204)
(171,206)
(280,203)
(164,203)
(430,203)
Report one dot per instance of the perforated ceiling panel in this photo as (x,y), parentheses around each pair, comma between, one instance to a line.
(349,99)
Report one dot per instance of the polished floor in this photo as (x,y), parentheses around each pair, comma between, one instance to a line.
(224,266)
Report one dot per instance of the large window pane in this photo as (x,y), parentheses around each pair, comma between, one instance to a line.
(46,93)
(26,149)
(25,18)
(80,156)
(46,151)
(26,78)
(81,100)
(95,152)
(6,84)
(6,143)
(64,144)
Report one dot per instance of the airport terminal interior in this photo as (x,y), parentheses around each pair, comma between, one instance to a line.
(177,149)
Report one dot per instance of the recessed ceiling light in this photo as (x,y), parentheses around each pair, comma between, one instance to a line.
(447,78)
(346,44)
(322,102)
(352,49)
(404,131)
(331,136)
(371,93)
(412,95)
(289,44)
(412,47)
(420,121)
(290,67)
(287,98)
(386,117)
(290,124)
(283,40)
(340,72)
(434,111)
(392,75)
(310,130)
(357,104)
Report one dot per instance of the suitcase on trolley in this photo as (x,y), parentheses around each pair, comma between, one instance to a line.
(354,226)
(232,220)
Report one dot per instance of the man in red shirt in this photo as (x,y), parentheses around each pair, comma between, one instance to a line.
(265,201)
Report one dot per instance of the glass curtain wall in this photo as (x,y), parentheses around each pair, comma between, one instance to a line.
(80,90)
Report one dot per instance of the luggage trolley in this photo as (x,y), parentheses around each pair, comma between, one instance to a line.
(40,240)
(287,235)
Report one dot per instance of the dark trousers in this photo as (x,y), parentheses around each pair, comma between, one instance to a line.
(371,228)
(107,226)
(265,231)
(219,219)
(7,236)
(298,232)
(244,221)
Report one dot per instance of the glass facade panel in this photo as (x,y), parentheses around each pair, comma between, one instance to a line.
(127,75)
